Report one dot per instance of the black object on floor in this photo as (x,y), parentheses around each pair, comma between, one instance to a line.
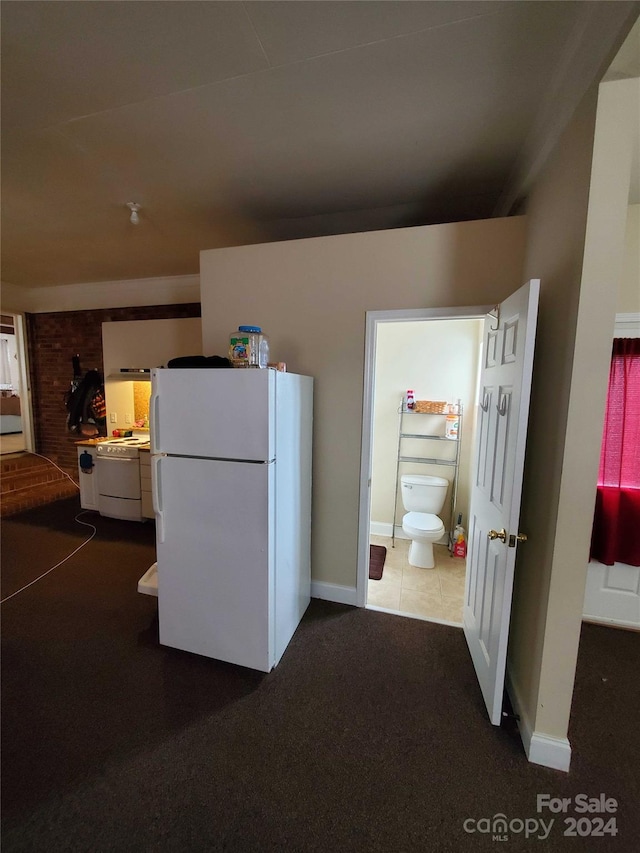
(377,556)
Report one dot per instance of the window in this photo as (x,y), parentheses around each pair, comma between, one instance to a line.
(617,515)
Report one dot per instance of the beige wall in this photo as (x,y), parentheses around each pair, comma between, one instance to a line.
(575,246)
(629,288)
(166,290)
(13,299)
(439,360)
(311,297)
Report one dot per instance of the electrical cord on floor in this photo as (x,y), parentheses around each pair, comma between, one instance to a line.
(68,476)
(64,560)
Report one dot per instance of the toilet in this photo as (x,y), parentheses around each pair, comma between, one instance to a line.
(423,498)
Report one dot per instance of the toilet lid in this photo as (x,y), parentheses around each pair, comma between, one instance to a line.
(423,521)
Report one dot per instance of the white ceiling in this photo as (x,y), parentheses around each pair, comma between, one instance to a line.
(244,122)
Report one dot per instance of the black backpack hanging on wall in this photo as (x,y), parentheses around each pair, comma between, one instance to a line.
(86,409)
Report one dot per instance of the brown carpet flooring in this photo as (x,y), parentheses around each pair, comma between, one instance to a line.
(370,735)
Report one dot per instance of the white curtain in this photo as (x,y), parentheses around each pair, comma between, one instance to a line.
(5,370)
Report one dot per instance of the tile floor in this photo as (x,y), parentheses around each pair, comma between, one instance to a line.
(436,593)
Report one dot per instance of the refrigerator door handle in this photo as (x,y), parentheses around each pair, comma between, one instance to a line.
(154,405)
(156,492)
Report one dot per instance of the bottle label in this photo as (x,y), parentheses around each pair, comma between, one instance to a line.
(460,549)
(451,426)
(240,348)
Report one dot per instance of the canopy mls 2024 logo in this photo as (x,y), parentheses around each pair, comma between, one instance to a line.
(590,817)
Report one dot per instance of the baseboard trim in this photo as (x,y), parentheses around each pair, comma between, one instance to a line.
(384,528)
(550,751)
(539,748)
(334,592)
(611,623)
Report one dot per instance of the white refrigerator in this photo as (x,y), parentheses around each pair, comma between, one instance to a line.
(231,481)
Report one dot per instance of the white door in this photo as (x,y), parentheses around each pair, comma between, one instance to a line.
(505,388)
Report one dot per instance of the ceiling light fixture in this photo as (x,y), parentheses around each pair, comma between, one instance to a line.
(134,208)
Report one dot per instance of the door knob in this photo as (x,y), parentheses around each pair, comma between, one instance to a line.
(502,535)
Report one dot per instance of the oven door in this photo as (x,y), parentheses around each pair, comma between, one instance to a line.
(119,486)
(119,478)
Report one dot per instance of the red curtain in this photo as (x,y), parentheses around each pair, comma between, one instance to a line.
(616,526)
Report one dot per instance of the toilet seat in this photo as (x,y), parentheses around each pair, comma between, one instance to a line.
(417,524)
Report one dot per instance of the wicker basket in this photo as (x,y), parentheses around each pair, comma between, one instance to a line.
(430,407)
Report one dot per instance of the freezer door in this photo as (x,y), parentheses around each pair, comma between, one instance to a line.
(215,559)
(219,414)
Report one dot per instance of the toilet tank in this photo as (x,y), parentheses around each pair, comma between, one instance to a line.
(423,493)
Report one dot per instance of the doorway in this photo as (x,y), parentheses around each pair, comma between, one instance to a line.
(15,412)
(436,353)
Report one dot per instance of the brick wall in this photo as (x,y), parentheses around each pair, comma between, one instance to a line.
(53,339)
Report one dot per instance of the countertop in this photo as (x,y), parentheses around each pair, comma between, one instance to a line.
(91,442)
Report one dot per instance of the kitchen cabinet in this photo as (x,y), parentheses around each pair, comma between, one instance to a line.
(88,476)
(141,344)
(145,484)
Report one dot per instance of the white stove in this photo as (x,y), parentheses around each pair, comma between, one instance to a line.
(118,466)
